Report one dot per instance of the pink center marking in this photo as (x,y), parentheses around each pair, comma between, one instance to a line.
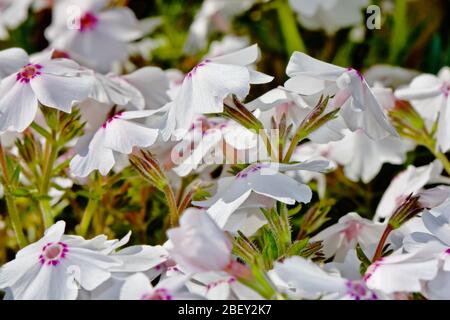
(249,170)
(52,253)
(371,269)
(88,22)
(216,283)
(29,72)
(193,71)
(352,231)
(158,294)
(111,119)
(358,291)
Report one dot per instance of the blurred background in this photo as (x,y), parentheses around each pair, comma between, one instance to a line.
(413,34)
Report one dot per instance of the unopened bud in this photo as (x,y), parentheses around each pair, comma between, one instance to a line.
(149,168)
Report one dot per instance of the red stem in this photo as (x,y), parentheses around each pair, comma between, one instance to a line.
(380,246)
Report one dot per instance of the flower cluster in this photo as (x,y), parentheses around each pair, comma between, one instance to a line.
(228,194)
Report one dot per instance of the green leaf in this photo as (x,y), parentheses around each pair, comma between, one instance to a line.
(41,131)
(365,261)
(297,247)
(20,193)
(270,249)
(16,175)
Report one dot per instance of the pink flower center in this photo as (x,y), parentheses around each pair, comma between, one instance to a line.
(111,119)
(358,291)
(88,22)
(352,231)
(158,294)
(29,72)
(53,253)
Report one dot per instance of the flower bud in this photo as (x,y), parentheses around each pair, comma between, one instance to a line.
(149,168)
(199,245)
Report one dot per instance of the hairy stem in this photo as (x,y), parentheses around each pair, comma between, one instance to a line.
(172,203)
(10,203)
(87,216)
(51,154)
(92,206)
(292,146)
(379,250)
(266,140)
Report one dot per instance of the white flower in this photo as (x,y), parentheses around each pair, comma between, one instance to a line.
(360,108)
(263,179)
(117,135)
(55,83)
(12,60)
(329,15)
(138,287)
(429,94)
(363,157)
(312,282)
(142,89)
(198,243)
(388,75)
(153,85)
(402,272)
(12,14)
(176,78)
(220,286)
(247,220)
(111,89)
(279,101)
(436,242)
(53,267)
(100,34)
(350,230)
(407,182)
(212,141)
(218,13)
(311,151)
(209,83)
(138,258)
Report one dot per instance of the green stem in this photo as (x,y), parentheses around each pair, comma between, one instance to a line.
(265,138)
(258,281)
(290,151)
(430,144)
(92,206)
(15,220)
(443,159)
(10,203)
(379,250)
(87,216)
(172,203)
(44,203)
(299,136)
(292,38)
(400,30)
